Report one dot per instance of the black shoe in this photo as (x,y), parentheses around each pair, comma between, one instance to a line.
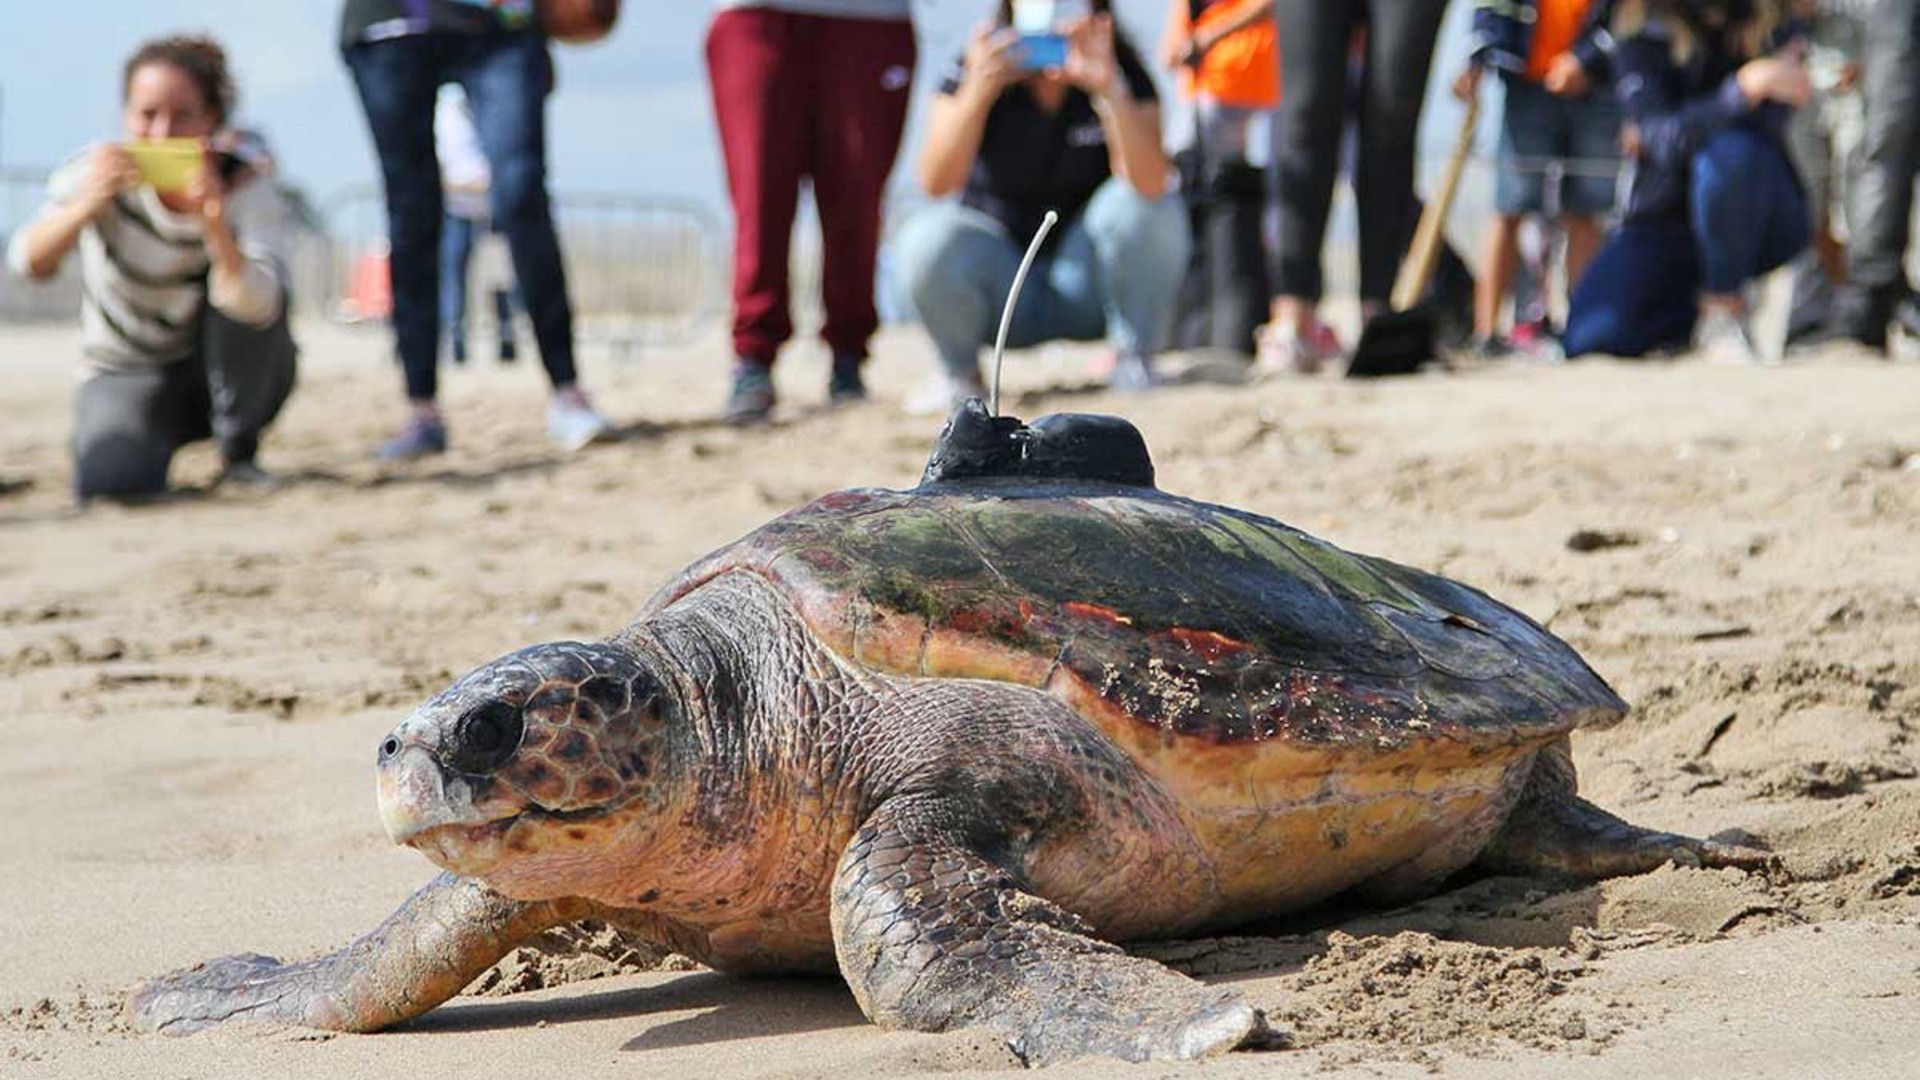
(1489,348)
(845,385)
(247,474)
(1906,314)
(1866,311)
(751,399)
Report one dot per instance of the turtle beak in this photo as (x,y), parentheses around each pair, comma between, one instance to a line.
(415,793)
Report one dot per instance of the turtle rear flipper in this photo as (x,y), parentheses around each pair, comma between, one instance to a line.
(1553,830)
(440,940)
(933,935)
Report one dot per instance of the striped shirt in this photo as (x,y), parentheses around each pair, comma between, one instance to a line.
(145,271)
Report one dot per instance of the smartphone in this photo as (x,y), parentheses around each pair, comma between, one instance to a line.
(1038,52)
(1042,26)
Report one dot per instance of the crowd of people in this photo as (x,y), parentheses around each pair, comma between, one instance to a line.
(1671,152)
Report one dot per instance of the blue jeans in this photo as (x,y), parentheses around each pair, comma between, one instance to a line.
(457,236)
(1113,274)
(506,77)
(1747,216)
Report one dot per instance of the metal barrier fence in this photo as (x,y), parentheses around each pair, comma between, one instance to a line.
(21,193)
(642,271)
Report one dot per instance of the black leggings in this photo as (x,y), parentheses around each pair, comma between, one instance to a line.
(1315,39)
(127,424)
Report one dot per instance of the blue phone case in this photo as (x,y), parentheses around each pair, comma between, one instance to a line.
(1042,51)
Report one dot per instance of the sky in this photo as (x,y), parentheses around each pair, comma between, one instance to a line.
(631,113)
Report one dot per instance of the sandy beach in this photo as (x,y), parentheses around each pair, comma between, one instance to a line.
(191,694)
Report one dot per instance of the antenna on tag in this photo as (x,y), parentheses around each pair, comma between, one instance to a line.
(1013,297)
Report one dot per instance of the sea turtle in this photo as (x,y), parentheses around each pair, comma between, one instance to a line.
(958,740)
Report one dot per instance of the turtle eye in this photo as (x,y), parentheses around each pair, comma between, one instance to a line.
(485,738)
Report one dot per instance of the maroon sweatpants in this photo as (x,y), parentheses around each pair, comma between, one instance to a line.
(806,96)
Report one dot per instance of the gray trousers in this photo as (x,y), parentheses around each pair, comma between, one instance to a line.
(1391,85)
(127,424)
(1880,215)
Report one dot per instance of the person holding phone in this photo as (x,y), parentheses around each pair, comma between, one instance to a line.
(1048,109)
(183,304)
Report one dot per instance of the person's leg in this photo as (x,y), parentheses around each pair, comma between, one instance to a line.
(456,248)
(864,69)
(507,79)
(1748,213)
(1500,260)
(1880,214)
(957,265)
(1140,249)
(397,81)
(1589,185)
(126,426)
(1228,239)
(250,372)
(1584,237)
(1519,189)
(1306,144)
(1637,295)
(1400,40)
(760,101)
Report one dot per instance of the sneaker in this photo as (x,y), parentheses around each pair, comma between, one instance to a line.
(1282,350)
(942,394)
(1132,374)
(247,474)
(751,399)
(573,424)
(1531,332)
(1721,338)
(423,435)
(1866,313)
(1492,347)
(844,384)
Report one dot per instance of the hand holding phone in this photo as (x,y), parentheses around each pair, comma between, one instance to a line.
(1043,26)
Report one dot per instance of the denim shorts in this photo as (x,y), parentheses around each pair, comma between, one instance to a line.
(1538,130)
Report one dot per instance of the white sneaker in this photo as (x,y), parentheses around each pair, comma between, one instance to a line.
(1721,338)
(1282,350)
(941,394)
(573,425)
(1132,374)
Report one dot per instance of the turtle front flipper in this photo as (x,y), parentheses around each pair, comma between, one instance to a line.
(1553,830)
(440,940)
(933,935)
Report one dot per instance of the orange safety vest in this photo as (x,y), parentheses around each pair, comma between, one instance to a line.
(1242,69)
(1556,25)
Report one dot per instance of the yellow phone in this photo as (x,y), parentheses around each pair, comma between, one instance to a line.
(166,164)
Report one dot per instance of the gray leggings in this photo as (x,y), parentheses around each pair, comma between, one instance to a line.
(127,424)
(1880,214)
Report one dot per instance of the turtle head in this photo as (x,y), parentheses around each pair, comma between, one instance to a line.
(522,765)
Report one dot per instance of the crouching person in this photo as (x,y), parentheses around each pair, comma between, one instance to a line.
(183,305)
(1708,87)
(1016,135)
